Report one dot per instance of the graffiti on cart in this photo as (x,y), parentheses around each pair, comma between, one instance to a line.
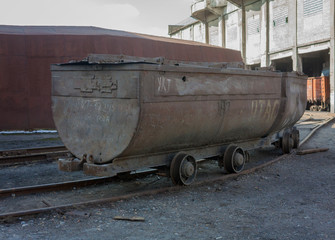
(266,108)
(164,85)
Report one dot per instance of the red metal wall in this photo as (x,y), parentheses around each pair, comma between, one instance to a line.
(27,52)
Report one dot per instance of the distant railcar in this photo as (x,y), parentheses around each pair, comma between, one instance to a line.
(318,94)
(118,114)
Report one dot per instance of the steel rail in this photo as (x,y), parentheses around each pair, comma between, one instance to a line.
(69,184)
(11,152)
(19,156)
(52,187)
(62,208)
(315,129)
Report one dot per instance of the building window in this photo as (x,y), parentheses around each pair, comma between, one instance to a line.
(312,7)
(253,25)
(280,16)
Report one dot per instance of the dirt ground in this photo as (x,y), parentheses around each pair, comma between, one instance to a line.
(292,199)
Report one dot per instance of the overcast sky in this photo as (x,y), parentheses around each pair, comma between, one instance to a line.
(143,16)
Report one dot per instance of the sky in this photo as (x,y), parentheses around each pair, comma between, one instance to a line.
(142,16)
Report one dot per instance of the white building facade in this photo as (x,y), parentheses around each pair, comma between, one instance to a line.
(287,34)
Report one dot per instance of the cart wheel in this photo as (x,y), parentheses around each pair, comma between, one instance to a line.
(296,138)
(287,142)
(183,169)
(234,159)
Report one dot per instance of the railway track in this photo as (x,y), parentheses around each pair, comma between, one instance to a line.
(69,184)
(138,192)
(24,156)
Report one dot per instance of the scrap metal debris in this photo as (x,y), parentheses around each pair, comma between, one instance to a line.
(133,219)
(314,150)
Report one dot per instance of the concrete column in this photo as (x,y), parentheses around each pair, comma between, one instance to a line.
(192,35)
(332,57)
(206,32)
(296,60)
(244,34)
(222,26)
(265,34)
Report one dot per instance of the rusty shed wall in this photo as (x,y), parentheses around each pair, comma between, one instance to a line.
(27,52)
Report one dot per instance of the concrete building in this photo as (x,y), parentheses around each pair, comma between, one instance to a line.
(287,34)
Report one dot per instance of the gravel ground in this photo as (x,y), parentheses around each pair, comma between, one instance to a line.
(292,199)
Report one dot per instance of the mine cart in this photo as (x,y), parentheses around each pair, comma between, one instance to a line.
(117,114)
